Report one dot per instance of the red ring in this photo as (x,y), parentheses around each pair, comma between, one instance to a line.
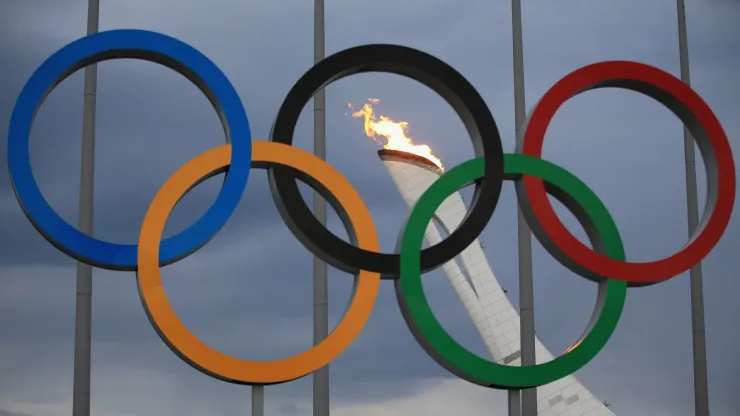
(599,73)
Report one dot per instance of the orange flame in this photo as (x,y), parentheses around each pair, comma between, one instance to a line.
(394,133)
(572,347)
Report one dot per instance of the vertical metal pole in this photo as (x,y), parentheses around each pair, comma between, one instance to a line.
(701,389)
(83,314)
(526,285)
(258,400)
(320,284)
(515,404)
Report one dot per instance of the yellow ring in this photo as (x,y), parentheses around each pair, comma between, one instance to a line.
(174,333)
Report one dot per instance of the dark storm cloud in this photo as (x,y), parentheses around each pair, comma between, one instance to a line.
(240,300)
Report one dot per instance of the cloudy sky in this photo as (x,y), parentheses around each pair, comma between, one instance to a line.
(236,297)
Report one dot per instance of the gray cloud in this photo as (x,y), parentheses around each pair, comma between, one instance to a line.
(6,413)
(241,301)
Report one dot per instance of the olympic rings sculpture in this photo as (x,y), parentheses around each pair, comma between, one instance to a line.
(533,177)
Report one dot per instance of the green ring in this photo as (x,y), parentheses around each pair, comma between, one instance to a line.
(440,345)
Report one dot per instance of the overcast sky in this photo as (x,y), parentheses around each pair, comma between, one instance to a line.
(236,297)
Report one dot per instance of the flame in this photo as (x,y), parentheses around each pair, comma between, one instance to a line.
(394,133)
(572,347)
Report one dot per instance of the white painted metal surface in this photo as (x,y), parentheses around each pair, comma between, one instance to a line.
(493,315)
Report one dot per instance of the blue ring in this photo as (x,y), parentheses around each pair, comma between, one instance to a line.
(153,47)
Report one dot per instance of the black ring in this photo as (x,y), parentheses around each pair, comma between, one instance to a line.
(435,74)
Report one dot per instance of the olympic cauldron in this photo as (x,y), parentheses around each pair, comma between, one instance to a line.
(533,179)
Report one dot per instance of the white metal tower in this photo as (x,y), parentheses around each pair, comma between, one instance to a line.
(492,313)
